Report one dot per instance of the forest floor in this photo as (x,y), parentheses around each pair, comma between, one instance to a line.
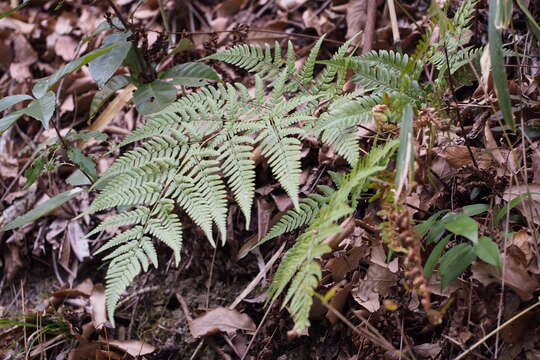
(52,294)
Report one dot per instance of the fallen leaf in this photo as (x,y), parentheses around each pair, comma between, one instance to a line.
(530,204)
(356,19)
(98,304)
(289,4)
(79,243)
(220,320)
(516,276)
(133,347)
(24,57)
(66,47)
(522,240)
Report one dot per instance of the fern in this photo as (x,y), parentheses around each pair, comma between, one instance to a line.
(198,149)
(299,268)
(296,218)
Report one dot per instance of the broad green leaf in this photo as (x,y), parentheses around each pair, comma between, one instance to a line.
(42,209)
(45,84)
(424,227)
(488,252)
(533,25)
(405,156)
(110,87)
(435,256)
(463,225)
(183,45)
(475,209)
(85,163)
(191,74)
(10,118)
(42,109)
(32,173)
(511,204)
(153,97)
(497,66)
(455,262)
(103,67)
(86,135)
(105,25)
(78,179)
(9,101)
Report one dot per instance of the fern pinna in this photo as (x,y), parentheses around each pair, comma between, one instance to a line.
(201,147)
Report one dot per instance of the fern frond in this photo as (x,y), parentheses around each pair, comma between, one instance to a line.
(201,146)
(266,62)
(337,127)
(380,79)
(299,268)
(136,216)
(296,218)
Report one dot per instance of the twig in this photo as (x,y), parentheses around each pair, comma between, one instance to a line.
(369,28)
(393,21)
(496,331)
(306,36)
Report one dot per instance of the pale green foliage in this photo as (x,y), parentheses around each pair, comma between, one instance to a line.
(299,268)
(201,146)
(298,217)
(453,37)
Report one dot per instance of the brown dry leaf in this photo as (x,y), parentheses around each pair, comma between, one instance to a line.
(340,266)
(283,202)
(378,281)
(289,4)
(99,308)
(428,351)
(319,22)
(535,159)
(9,166)
(113,108)
(19,26)
(133,347)
(516,276)
(24,57)
(264,213)
(459,156)
(229,8)
(530,204)
(12,262)
(338,302)
(356,19)
(522,240)
(66,47)
(78,241)
(507,160)
(220,320)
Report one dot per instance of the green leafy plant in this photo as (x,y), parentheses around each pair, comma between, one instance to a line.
(458,258)
(198,147)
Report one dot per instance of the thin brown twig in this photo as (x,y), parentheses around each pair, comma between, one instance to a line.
(306,36)
(369,28)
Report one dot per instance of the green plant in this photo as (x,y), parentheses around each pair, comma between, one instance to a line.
(202,144)
(458,258)
(299,268)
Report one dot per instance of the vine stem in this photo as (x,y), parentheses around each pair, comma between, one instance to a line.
(276,32)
